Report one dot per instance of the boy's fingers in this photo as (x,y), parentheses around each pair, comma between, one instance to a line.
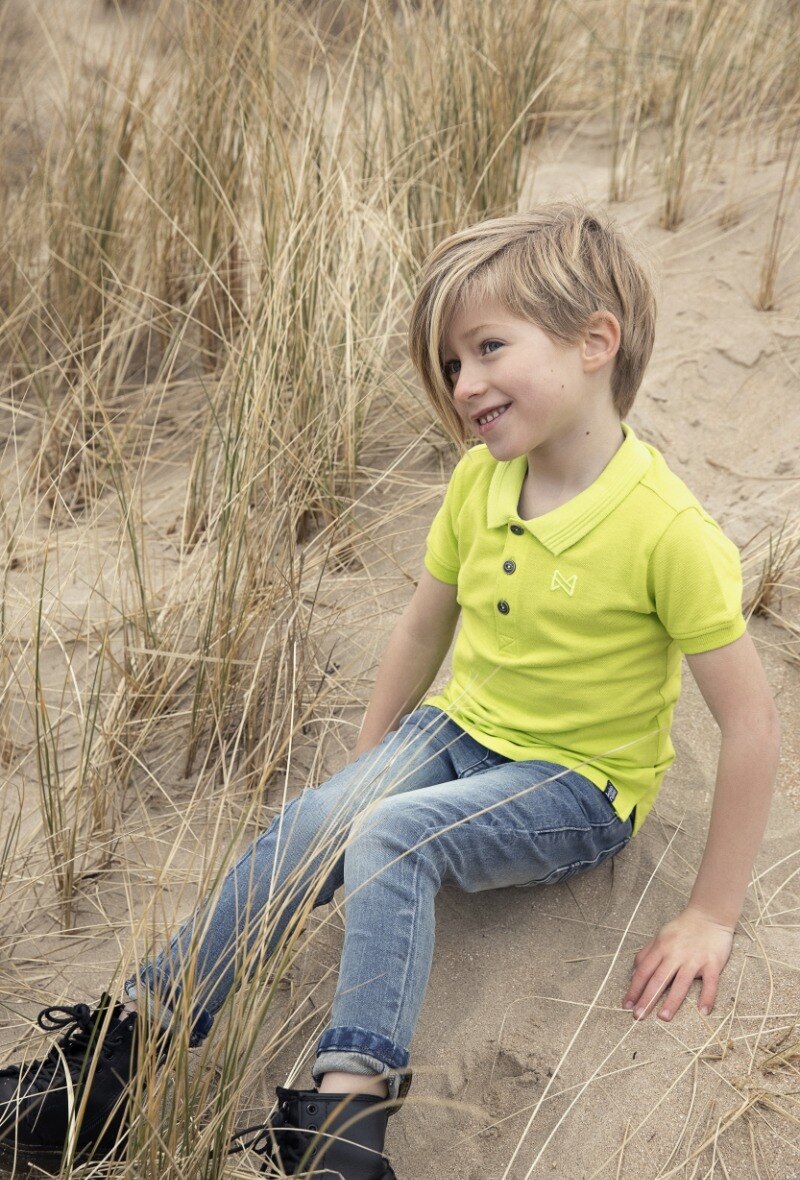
(647,1001)
(708,993)
(639,980)
(677,994)
(634,991)
(644,1005)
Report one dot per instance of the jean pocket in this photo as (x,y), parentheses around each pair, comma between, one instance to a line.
(471,757)
(572,869)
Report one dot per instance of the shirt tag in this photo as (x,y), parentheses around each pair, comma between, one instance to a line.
(610,791)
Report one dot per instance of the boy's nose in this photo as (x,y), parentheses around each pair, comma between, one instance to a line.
(470,384)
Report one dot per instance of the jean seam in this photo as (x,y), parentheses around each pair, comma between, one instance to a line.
(476,765)
(610,823)
(560,831)
(418,862)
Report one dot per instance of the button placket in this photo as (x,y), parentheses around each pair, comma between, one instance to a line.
(506,598)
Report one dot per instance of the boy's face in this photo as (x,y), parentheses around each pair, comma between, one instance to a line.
(548,392)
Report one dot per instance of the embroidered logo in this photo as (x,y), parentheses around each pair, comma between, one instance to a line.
(559,582)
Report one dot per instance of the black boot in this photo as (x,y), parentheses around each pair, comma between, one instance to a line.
(292,1136)
(35,1097)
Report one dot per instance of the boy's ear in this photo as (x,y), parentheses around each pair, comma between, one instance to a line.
(601,339)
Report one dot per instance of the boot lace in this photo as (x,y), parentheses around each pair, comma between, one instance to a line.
(292,1143)
(80,1023)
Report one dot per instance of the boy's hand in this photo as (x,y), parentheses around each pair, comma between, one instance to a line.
(689,946)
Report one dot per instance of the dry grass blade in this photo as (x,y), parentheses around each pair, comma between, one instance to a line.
(765,299)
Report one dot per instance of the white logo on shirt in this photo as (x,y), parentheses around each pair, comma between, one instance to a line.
(559,582)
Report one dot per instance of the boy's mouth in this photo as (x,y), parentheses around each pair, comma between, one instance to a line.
(490,415)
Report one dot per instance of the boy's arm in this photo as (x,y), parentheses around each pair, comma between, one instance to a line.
(417,646)
(698,941)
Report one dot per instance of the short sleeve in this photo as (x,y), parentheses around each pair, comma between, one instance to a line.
(441,545)
(695,578)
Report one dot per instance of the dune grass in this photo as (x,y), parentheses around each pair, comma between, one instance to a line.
(214,214)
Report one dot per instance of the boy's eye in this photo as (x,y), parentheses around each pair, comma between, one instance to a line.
(452,368)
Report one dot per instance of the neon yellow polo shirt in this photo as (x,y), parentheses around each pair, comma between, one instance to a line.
(572,624)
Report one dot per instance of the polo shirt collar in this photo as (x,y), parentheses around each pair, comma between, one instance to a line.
(565,525)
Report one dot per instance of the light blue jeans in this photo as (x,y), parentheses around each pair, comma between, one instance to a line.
(428,806)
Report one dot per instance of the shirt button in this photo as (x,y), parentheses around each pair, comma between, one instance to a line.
(509,566)
(503,607)
(517,528)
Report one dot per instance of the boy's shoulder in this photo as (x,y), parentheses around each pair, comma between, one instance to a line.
(666,487)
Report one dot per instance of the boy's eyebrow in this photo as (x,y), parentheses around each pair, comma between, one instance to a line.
(479,328)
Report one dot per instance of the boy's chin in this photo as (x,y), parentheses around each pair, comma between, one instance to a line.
(502,449)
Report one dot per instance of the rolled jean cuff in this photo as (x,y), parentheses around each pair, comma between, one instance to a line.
(357,1050)
(162,1012)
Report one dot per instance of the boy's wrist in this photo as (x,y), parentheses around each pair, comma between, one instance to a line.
(721,916)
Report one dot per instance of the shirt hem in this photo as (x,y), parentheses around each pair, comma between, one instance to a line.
(626,798)
(440,571)
(710,640)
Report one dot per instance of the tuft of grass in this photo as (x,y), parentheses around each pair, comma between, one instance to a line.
(777,565)
(73,815)
(773,257)
(777,569)
(633,75)
(447,110)
(707,36)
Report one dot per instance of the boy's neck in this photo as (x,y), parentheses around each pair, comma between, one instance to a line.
(574,466)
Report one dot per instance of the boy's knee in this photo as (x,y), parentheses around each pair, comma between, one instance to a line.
(396,825)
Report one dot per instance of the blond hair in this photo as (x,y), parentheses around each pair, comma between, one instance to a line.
(555,266)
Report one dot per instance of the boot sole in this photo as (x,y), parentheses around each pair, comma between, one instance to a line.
(14,1153)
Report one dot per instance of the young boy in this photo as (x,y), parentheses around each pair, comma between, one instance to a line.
(582,569)
(547,320)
